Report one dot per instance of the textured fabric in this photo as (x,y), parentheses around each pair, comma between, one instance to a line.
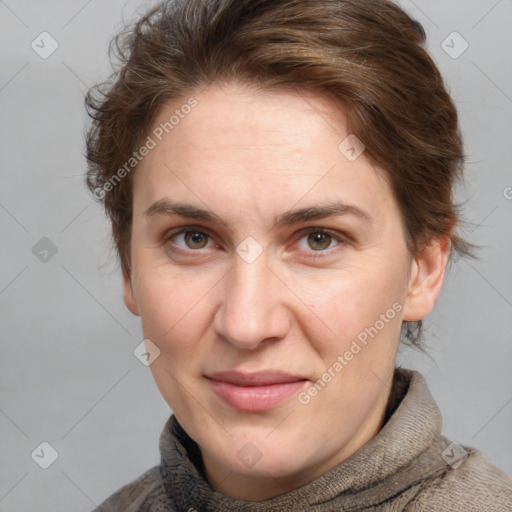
(401,469)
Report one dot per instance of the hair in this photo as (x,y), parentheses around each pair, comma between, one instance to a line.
(368,55)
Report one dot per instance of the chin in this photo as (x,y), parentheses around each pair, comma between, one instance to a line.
(261,454)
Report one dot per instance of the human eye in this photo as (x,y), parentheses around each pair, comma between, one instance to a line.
(319,242)
(188,240)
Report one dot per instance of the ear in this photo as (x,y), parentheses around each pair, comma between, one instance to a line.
(426,279)
(128,296)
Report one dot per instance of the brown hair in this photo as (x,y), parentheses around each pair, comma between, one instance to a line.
(367,54)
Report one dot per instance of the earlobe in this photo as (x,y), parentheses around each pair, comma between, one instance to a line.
(426,279)
(129,297)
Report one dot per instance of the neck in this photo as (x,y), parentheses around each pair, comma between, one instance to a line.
(263,484)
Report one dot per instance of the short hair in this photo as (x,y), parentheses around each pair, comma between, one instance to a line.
(369,56)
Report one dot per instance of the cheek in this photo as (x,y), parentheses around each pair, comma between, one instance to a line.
(343,306)
(173,310)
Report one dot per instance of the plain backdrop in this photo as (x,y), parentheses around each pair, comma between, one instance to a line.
(68,373)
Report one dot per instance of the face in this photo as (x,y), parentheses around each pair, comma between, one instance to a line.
(270,269)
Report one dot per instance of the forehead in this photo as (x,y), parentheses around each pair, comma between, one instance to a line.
(238,148)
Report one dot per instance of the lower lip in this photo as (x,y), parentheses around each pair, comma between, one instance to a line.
(255,398)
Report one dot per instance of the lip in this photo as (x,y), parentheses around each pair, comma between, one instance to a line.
(259,391)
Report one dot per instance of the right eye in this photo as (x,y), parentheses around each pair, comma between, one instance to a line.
(187,240)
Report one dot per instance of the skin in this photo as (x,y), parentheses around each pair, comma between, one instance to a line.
(249,156)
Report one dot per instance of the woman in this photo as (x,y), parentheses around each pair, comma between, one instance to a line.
(279,179)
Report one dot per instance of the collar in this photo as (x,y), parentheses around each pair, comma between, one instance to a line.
(406,451)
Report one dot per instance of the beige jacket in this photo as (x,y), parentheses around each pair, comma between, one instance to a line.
(408,466)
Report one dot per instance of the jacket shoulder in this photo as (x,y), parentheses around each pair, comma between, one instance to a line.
(144,494)
(476,485)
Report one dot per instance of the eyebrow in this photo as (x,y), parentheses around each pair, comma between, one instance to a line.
(319,211)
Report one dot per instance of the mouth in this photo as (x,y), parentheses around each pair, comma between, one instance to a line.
(254,392)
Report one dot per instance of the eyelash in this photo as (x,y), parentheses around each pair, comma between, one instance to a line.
(303,233)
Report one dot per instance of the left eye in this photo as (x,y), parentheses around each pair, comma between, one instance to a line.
(318,240)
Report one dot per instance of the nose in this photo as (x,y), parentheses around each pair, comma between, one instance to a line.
(253,305)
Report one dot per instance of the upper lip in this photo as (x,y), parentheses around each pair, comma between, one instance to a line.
(262,378)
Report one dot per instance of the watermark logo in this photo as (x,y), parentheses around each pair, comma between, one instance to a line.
(44,45)
(454,45)
(44,455)
(249,455)
(146,352)
(454,455)
(44,250)
(351,147)
(249,249)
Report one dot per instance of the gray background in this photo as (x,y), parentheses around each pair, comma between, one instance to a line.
(68,373)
